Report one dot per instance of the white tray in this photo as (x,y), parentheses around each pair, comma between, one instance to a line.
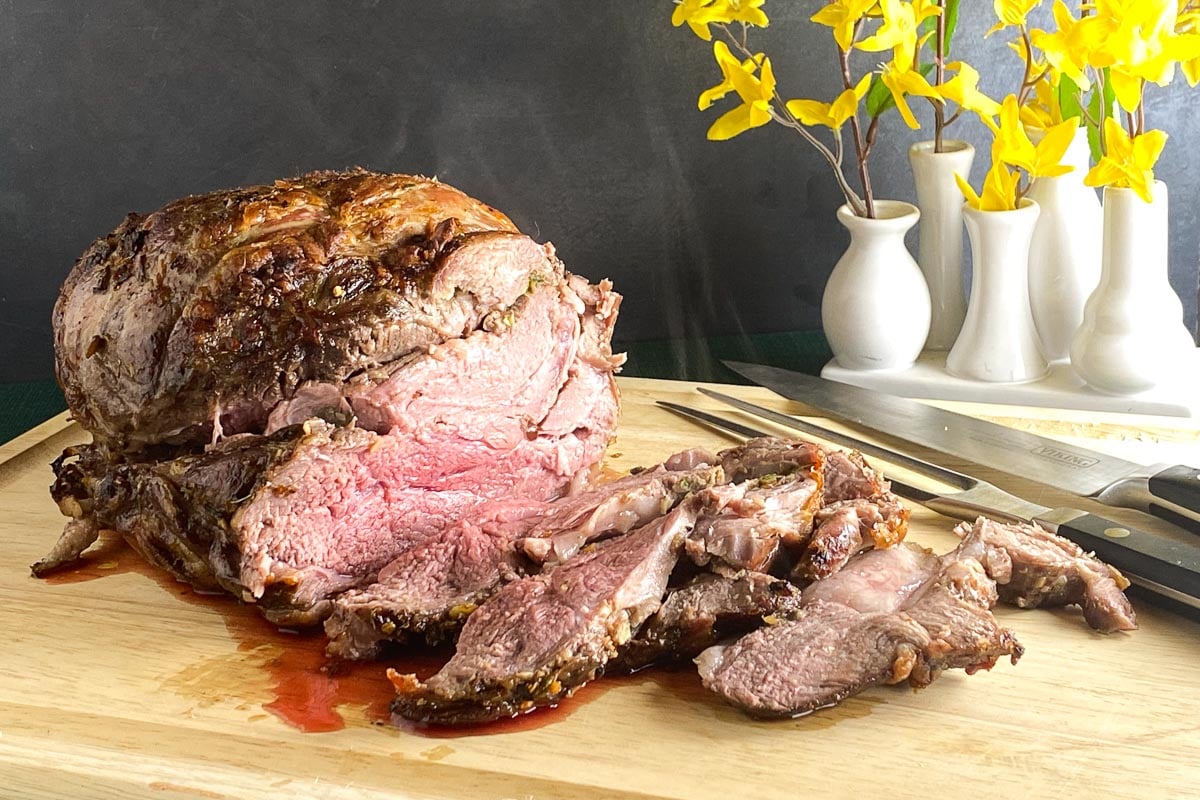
(1060,388)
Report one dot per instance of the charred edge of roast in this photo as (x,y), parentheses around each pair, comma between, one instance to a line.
(176,513)
(237,293)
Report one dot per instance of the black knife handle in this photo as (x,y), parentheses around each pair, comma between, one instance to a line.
(1179,485)
(1166,562)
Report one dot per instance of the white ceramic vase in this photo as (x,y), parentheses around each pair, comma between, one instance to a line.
(1132,337)
(875,309)
(940,238)
(998,342)
(1064,257)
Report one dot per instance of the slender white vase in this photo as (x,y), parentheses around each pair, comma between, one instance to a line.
(875,309)
(1132,337)
(940,238)
(999,342)
(1064,257)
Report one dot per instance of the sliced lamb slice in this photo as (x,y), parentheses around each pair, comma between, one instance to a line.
(540,638)
(1033,567)
(705,610)
(844,527)
(888,616)
(828,653)
(690,459)
(758,519)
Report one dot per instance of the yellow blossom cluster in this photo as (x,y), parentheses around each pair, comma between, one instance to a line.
(897,28)
(1013,152)
(1114,48)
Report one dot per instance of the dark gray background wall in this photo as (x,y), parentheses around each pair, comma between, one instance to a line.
(577,119)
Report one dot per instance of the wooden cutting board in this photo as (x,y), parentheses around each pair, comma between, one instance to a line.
(117,682)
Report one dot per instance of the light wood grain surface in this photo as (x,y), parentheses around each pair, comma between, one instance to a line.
(124,686)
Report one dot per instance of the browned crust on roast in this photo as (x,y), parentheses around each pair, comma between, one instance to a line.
(222,304)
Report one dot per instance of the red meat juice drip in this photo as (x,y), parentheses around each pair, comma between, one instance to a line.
(308,688)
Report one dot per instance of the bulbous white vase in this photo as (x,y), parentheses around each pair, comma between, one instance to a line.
(999,342)
(940,237)
(1064,257)
(1132,337)
(875,309)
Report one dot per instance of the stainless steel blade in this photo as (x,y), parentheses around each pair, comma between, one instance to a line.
(1078,470)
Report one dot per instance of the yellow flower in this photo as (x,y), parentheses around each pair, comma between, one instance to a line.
(963,89)
(843,16)
(1042,110)
(925,9)
(1138,41)
(1127,162)
(999,189)
(1126,86)
(1068,47)
(831,115)
(699,14)
(902,82)
(1011,13)
(1189,23)
(1049,152)
(730,66)
(898,31)
(1011,144)
(756,92)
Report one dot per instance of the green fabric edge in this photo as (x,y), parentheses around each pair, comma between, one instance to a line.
(24,405)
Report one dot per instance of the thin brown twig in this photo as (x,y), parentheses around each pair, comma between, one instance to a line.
(785,118)
(939,68)
(1099,81)
(864,176)
(1141,107)
(1026,83)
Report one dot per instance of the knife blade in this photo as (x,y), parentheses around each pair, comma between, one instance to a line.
(1171,492)
(1164,567)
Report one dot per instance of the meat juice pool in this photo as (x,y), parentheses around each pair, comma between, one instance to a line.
(310,692)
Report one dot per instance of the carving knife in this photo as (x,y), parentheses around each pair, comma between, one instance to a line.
(1167,568)
(1171,492)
